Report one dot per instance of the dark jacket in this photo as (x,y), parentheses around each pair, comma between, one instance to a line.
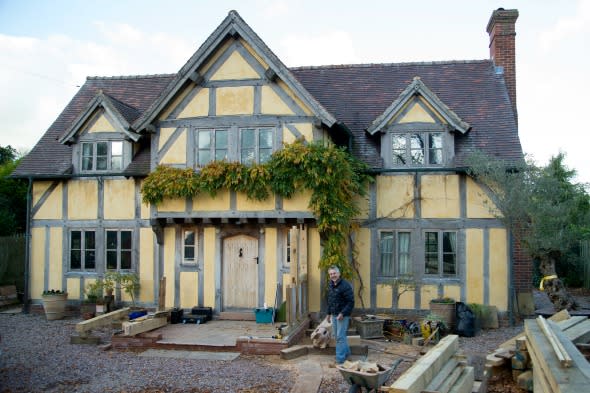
(340,298)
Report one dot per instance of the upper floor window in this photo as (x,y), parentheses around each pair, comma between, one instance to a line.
(189,246)
(212,145)
(102,156)
(395,249)
(82,250)
(119,246)
(417,148)
(440,253)
(256,144)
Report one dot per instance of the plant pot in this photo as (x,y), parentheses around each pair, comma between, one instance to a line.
(100,309)
(87,310)
(55,306)
(446,312)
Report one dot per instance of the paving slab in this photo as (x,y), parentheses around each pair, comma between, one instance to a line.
(195,355)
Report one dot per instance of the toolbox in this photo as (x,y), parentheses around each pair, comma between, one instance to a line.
(176,315)
(206,311)
(195,319)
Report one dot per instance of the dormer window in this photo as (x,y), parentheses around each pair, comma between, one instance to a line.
(102,156)
(417,148)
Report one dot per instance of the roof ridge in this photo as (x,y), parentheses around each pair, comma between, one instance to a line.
(129,76)
(367,65)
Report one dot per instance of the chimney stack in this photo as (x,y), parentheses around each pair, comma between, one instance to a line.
(502,47)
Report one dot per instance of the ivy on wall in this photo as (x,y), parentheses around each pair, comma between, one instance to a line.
(334,177)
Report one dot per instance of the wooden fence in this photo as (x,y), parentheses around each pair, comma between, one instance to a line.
(296,302)
(585,260)
(12,260)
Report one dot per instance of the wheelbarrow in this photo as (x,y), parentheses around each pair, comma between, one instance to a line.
(370,381)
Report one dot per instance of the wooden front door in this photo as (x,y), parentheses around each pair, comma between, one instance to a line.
(240,272)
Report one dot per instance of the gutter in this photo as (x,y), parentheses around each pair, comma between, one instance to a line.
(376,171)
(26,294)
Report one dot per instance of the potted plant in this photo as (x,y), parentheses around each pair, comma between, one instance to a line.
(93,292)
(445,307)
(54,304)
(128,282)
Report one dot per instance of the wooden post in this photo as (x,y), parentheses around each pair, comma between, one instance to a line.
(302,248)
(162,294)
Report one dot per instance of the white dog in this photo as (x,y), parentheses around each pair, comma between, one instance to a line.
(320,337)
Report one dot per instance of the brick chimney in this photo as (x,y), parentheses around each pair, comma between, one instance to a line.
(502,47)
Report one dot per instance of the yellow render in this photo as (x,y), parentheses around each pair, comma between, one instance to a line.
(362,244)
(440,196)
(313,271)
(474,267)
(416,114)
(146,265)
(395,196)
(199,105)
(52,207)
(294,96)
(82,199)
(172,205)
(169,264)
(189,288)
(478,203)
(427,292)
(176,154)
(101,124)
(384,296)
(235,67)
(499,268)
(270,265)
(272,103)
(37,262)
(55,258)
(73,287)
(245,204)
(298,202)
(119,199)
(204,202)
(235,100)
(210,241)
(305,129)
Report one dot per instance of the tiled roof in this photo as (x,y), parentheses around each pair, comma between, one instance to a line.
(133,93)
(357,94)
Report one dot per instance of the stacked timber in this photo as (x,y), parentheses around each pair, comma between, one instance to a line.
(441,369)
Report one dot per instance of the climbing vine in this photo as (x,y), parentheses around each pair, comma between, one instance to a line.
(334,178)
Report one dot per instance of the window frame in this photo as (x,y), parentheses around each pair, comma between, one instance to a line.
(83,250)
(257,143)
(441,253)
(195,247)
(426,131)
(94,156)
(396,253)
(213,144)
(119,250)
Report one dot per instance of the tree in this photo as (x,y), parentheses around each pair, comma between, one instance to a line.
(545,211)
(13,194)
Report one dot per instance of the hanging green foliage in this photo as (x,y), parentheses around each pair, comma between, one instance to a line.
(335,179)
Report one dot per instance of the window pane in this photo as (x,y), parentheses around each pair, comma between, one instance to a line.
(116,148)
(449,253)
(112,260)
(89,240)
(204,157)
(75,240)
(435,148)
(116,162)
(102,149)
(87,149)
(265,138)
(247,137)
(125,259)
(101,163)
(189,238)
(112,240)
(89,259)
(87,163)
(126,240)
(398,145)
(247,156)
(403,241)
(204,139)
(221,139)
(431,254)
(265,155)
(387,254)
(75,259)
(189,253)
(417,149)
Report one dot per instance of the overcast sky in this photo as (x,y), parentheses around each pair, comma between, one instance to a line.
(48,48)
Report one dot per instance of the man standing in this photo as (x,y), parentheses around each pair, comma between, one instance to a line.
(340,305)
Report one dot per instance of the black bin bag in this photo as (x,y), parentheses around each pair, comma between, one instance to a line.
(465,320)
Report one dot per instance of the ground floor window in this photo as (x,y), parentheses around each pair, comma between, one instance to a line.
(189,246)
(82,250)
(119,249)
(394,250)
(440,253)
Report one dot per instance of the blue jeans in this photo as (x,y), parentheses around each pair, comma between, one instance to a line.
(339,330)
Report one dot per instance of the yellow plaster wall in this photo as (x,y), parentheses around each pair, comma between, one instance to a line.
(237,100)
(145,210)
(254,53)
(204,202)
(427,292)
(270,265)
(102,124)
(146,266)
(298,202)
(37,267)
(73,287)
(272,104)
(55,257)
(209,266)
(313,271)
(176,154)
(499,269)
(52,207)
(245,204)
(199,105)
(215,56)
(406,300)
(478,204)
(452,291)
(189,289)
(172,205)
(235,67)
(169,264)
(82,199)
(363,248)
(384,296)
(164,135)
(305,129)
(119,199)
(295,98)
(417,114)
(474,265)
(175,102)
(440,196)
(395,196)
(363,206)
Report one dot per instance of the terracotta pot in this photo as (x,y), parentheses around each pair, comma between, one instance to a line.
(55,306)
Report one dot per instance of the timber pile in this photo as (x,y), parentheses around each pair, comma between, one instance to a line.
(84,328)
(546,358)
(441,369)
(8,295)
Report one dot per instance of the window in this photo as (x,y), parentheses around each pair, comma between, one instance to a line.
(395,254)
(256,145)
(102,156)
(417,148)
(440,253)
(212,144)
(82,250)
(189,246)
(118,249)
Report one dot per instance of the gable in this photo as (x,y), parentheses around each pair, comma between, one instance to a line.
(416,112)
(99,123)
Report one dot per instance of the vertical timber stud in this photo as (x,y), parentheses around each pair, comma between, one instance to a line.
(302,247)
(162,295)
(293,239)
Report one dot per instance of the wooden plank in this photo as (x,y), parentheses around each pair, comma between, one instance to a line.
(443,373)
(560,352)
(579,333)
(302,253)
(568,323)
(102,320)
(449,382)
(465,382)
(133,328)
(162,294)
(557,317)
(419,375)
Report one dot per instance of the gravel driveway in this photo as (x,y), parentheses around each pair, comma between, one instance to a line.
(36,356)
